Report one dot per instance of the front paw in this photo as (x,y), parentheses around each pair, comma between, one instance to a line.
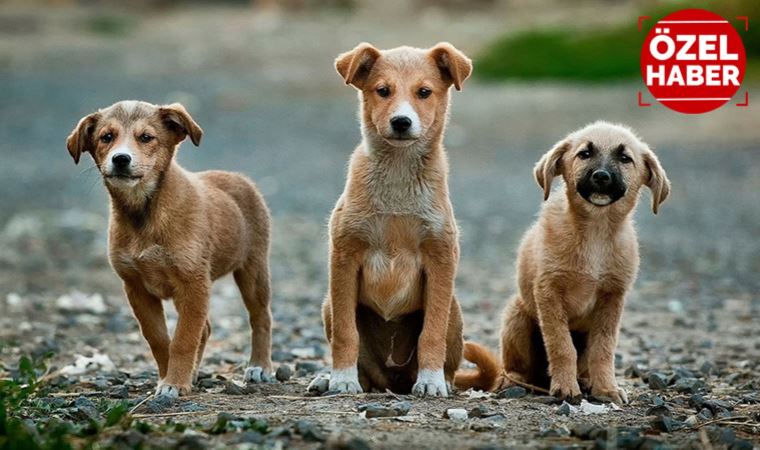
(565,388)
(610,394)
(256,374)
(171,391)
(345,381)
(430,383)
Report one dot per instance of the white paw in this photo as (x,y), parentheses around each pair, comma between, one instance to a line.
(320,384)
(345,381)
(168,390)
(256,374)
(430,383)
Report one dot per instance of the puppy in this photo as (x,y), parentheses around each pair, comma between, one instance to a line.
(574,267)
(390,314)
(173,232)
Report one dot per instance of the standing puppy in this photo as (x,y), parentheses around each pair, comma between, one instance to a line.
(173,232)
(390,314)
(574,267)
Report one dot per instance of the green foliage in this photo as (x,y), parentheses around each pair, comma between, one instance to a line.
(600,54)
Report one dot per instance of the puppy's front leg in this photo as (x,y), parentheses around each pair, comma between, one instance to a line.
(192,304)
(149,312)
(439,261)
(563,359)
(344,343)
(602,341)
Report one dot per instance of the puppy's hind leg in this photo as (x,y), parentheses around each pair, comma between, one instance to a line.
(254,284)
(201,349)
(518,350)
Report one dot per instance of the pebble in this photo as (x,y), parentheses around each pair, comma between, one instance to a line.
(119,392)
(309,432)
(480,411)
(395,409)
(283,373)
(690,385)
(456,414)
(159,404)
(564,409)
(512,392)
(342,441)
(657,381)
(232,388)
(666,424)
(86,406)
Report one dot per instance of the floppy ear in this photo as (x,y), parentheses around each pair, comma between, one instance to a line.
(549,166)
(81,140)
(658,181)
(178,120)
(354,66)
(455,67)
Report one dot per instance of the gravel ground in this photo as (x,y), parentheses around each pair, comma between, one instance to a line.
(689,353)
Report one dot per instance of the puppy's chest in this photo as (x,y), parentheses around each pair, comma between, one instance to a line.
(392,265)
(154,265)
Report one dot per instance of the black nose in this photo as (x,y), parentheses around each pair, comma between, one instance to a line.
(601,177)
(121,160)
(401,124)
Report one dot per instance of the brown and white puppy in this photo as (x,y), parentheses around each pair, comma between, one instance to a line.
(574,267)
(173,232)
(390,314)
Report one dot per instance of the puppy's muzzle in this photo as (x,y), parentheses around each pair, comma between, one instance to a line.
(121,167)
(601,187)
(401,125)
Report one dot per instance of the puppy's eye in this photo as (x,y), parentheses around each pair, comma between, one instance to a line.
(145,138)
(625,159)
(383,91)
(106,138)
(424,92)
(584,154)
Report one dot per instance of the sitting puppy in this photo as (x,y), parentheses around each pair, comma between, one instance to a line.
(173,232)
(575,265)
(390,314)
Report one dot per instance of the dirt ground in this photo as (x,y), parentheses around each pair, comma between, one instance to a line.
(263,88)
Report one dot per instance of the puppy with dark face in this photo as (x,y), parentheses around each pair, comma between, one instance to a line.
(574,267)
(173,232)
(390,315)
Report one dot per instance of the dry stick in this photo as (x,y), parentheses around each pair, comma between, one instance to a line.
(727,419)
(528,385)
(76,394)
(131,411)
(171,414)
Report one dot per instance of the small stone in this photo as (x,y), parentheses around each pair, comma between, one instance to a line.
(309,432)
(191,407)
(632,371)
(209,383)
(546,400)
(705,414)
(564,409)
(690,385)
(659,410)
(512,392)
(666,424)
(87,407)
(342,441)
(717,406)
(658,381)
(119,392)
(583,430)
(696,401)
(692,421)
(456,414)
(480,411)
(283,373)
(495,421)
(395,409)
(249,437)
(707,368)
(159,404)
(231,388)
(681,372)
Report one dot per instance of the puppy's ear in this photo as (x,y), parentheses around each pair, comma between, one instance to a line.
(455,67)
(81,139)
(178,121)
(354,66)
(658,181)
(549,166)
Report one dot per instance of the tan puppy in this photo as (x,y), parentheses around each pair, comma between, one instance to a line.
(390,314)
(173,232)
(574,267)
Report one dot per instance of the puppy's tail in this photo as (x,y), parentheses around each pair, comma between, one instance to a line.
(486,376)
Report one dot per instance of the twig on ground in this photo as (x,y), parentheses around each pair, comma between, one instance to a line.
(171,414)
(532,387)
(132,411)
(729,420)
(77,394)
